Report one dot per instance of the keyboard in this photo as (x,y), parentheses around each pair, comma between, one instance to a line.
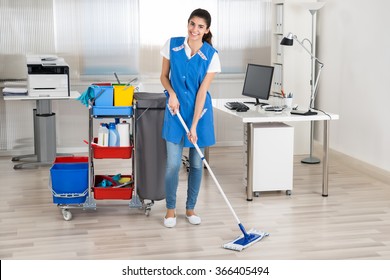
(236,105)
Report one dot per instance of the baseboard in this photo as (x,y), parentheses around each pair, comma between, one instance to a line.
(361,166)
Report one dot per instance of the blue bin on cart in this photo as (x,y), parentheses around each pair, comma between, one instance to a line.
(104,96)
(69,183)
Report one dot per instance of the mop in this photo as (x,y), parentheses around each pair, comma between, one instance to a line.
(247,238)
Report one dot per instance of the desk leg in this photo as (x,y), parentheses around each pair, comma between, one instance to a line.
(325,159)
(44,137)
(47,138)
(249,163)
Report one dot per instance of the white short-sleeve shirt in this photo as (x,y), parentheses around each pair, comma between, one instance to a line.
(215,64)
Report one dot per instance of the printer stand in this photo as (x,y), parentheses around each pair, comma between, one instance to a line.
(44,137)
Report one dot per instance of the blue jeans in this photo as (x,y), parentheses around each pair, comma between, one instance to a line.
(174,154)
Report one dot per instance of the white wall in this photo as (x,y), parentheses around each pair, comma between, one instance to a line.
(354,43)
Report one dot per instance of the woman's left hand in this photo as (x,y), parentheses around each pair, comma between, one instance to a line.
(192,136)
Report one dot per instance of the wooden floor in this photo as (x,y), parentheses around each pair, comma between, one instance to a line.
(352,223)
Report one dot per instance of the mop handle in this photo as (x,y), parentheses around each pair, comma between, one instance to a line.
(129,83)
(209,169)
(116,77)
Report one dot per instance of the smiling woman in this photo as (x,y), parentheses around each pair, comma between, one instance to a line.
(188,68)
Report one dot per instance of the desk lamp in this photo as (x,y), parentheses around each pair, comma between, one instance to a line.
(313,7)
(288,41)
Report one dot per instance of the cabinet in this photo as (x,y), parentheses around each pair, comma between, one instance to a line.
(292,64)
(271,158)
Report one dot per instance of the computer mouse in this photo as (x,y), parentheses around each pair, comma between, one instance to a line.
(242,109)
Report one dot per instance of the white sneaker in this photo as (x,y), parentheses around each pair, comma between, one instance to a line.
(194,220)
(169,222)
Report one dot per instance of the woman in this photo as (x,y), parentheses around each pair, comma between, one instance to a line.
(188,68)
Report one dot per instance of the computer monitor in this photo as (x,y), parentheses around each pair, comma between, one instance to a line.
(257,84)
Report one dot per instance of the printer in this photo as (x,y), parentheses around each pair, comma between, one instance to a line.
(48,76)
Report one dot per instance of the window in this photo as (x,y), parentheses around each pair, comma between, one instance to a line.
(244,33)
(101,34)
(99,37)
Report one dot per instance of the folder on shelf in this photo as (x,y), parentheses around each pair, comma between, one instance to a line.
(279,18)
(9,91)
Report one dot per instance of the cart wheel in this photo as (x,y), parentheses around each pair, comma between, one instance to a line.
(67,214)
(288,192)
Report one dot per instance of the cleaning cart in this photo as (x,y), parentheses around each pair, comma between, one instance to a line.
(140,186)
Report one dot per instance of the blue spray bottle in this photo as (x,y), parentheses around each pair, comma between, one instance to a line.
(113,138)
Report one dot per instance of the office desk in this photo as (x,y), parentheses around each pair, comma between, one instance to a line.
(257,115)
(45,149)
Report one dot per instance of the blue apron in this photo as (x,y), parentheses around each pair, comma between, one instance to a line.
(186,77)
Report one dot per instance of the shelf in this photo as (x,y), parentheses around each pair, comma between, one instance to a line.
(112,111)
(112,192)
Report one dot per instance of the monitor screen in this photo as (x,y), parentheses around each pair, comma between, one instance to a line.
(258,80)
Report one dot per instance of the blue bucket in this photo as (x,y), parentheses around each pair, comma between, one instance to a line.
(105,96)
(69,183)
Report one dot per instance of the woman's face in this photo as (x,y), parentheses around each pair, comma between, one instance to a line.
(197,27)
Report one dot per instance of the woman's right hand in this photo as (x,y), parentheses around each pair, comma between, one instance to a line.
(173,103)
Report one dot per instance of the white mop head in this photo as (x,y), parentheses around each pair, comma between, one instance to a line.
(241,242)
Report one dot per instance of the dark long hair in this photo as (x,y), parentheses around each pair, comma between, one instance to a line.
(200,13)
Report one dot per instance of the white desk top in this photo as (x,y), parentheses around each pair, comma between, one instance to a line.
(256,114)
(73,95)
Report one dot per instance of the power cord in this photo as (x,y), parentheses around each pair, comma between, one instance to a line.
(325,113)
